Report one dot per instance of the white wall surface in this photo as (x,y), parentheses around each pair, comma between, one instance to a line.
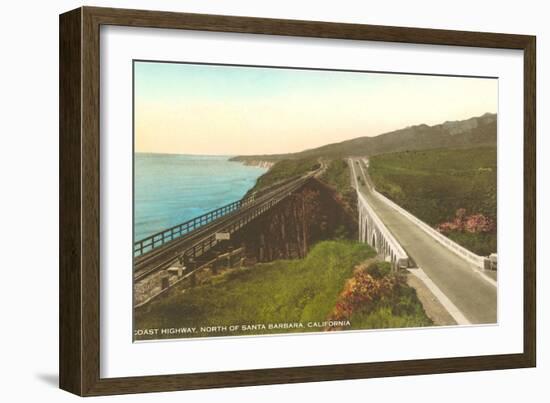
(29,202)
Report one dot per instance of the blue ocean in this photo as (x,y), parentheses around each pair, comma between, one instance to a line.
(170,189)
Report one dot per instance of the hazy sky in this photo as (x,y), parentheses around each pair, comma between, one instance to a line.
(197,109)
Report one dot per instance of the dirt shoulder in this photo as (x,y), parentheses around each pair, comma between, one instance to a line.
(433,308)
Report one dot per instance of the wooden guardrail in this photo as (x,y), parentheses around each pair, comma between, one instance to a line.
(178,231)
(201,240)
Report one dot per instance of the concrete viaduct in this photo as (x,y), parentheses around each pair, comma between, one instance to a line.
(455,275)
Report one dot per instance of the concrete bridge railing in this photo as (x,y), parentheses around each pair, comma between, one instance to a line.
(472,258)
(373,231)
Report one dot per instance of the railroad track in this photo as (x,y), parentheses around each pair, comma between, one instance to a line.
(202,239)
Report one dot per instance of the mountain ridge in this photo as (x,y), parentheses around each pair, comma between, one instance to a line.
(475,131)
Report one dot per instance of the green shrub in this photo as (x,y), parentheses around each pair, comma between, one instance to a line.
(434,184)
(379,269)
(337,175)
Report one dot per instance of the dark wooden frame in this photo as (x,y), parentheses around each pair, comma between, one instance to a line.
(79,200)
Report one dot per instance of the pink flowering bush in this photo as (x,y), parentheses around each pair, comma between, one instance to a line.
(475,223)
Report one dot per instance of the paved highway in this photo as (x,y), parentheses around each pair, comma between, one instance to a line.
(469,289)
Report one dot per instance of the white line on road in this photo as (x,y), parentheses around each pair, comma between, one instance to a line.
(441,297)
(485,276)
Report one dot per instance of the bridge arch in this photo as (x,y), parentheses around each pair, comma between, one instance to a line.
(373,232)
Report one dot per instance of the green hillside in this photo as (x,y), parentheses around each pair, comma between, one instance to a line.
(337,175)
(436,184)
(285,170)
(288,291)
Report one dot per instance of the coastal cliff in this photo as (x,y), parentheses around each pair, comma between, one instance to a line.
(258,163)
(262,163)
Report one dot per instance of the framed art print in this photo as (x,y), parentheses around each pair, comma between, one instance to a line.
(253,201)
